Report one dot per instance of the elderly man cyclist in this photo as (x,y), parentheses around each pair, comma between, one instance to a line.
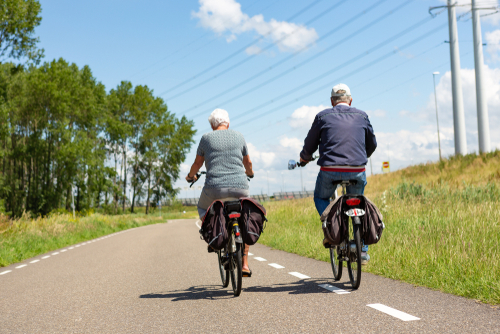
(346,140)
(228,164)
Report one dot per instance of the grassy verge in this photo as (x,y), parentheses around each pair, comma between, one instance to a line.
(26,237)
(438,236)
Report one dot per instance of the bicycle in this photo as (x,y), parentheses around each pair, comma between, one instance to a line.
(349,250)
(230,257)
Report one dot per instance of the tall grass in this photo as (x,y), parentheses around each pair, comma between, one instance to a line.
(438,236)
(26,237)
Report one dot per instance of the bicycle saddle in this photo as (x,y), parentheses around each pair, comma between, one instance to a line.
(345,182)
(232,206)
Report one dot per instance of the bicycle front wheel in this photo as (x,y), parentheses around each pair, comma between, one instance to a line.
(236,272)
(336,263)
(224,275)
(354,259)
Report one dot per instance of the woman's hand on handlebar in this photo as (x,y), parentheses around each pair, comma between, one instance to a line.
(191,179)
(251,176)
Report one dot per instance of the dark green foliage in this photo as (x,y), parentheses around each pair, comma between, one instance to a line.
(18,19)
(59,131)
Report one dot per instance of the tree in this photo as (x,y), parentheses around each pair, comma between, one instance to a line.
(18,19)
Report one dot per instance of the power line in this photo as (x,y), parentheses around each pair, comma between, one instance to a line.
(188,44)
(236,52)
(359,56)
(387,90)
(370,79)
(336,44)
(332,31)
(323,13)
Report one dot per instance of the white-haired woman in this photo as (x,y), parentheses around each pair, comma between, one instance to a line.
(228,164)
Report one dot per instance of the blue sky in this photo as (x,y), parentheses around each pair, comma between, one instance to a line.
(385,51)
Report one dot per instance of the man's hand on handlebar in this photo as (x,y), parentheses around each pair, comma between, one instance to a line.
(191,179)
(303,162)
(251,176)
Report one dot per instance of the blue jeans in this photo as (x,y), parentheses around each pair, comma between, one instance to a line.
(325,189)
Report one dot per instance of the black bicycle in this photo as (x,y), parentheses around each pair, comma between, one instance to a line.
(230,257)
(349,250)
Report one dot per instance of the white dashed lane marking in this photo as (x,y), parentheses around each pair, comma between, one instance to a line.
(332,288)
(393,312)
(21,266)
(63,250)
(77,246)
(5,272)
(71,247)
(259,259)
(45,257)
(299,275)
(55,253)
(250,254)
(275,265)
(34,261)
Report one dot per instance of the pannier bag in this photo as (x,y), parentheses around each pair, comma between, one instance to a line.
(213,227)
(334,227)
(372,224)
(251,222)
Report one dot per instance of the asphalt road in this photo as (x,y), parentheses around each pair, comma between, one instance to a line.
(160,278)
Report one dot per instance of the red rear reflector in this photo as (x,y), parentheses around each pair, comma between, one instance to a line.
(353,201)
(237,234)
(234,215)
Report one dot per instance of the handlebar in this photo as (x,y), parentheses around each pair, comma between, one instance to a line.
(197,178)
(292,163)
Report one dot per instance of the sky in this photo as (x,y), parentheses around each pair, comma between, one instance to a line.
(272,63)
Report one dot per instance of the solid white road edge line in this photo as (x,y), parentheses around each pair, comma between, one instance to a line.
(275,265)
(259,259)
(45,257)
(299,275)
(395,313)
(5,272)
(332,288)
(21,266)
(34,261)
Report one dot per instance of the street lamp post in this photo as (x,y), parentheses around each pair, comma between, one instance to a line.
(437,118)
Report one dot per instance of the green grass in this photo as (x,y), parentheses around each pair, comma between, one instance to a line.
(439,236)
(27,237)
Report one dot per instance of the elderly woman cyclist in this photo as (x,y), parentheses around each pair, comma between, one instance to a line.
(228,164)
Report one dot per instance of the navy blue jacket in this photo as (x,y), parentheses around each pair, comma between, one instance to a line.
(344,135)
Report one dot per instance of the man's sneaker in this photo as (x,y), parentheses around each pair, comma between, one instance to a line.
(364,258)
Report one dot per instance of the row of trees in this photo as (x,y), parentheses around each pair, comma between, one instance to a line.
(60,130)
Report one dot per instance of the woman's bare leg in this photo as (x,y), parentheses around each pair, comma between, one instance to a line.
(245,258)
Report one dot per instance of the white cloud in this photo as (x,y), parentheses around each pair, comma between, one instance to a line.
(303,117)
(377,113)
(427,116)
(262,159)
(223,16)
(293,143)
(253,50)
(493,45)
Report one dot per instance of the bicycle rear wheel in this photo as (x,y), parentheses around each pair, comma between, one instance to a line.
(236,272)
(336,263)
(354,259)
(224,275)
